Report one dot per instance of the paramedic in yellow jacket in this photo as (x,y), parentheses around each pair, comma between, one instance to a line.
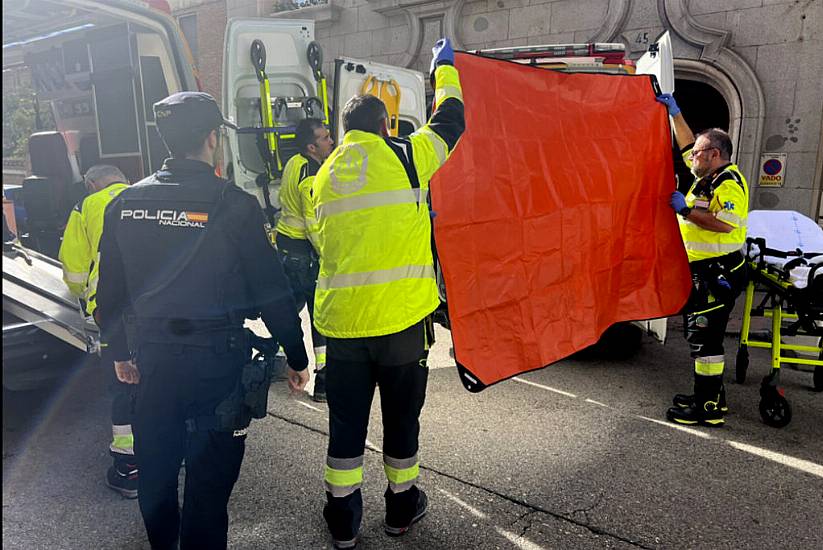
(78,253)
(712,217)
(376,293)
(296,252)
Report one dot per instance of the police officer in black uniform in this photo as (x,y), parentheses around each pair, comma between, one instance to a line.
(187,253)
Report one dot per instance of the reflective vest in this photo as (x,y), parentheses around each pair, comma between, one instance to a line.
(309,218)
(291,222)
(374,228)
(724,193)
(78,251)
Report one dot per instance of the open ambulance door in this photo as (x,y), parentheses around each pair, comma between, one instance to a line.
(658,61)
(402,90)
(296,92)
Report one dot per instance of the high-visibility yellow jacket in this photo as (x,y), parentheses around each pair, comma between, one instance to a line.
(306,201)
(78,251)
(725,194)
(373,224)
(291,222)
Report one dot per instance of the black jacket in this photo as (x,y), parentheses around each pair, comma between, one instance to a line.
(187,252)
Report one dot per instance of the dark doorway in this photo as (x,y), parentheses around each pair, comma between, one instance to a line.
(703,107)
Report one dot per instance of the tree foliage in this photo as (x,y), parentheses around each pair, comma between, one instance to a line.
(20,120)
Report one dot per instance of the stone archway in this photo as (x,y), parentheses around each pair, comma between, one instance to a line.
(722,68)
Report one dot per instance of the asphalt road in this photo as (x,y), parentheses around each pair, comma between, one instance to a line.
(577,455)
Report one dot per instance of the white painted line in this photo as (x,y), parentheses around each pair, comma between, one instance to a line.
(672,425)
(312,407)
(472,510)
(786,460)
(593,402)
(542,387)
(373,447)
(517,540)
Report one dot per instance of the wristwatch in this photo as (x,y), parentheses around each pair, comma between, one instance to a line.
(685,211)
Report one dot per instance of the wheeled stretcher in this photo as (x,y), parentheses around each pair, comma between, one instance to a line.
(784,252)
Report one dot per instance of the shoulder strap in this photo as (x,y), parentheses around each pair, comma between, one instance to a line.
(402,147)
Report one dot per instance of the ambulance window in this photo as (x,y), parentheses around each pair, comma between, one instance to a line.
(188,24)
(76,57)
(154,83)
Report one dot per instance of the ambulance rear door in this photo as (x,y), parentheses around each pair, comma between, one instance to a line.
(658,61)
(402,90)
(295,94)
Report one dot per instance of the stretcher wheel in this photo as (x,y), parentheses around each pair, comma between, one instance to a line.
(314,55)
(775,410)
(741,364)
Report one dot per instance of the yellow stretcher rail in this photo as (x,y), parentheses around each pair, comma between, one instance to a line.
(388,91)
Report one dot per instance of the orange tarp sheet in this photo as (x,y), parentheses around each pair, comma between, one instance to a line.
(553,220)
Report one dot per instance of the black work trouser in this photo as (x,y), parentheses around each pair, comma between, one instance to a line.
(396,363)
(301,266)
(123,397)
(716,284)
(180,382)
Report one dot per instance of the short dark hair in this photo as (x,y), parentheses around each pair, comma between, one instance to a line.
(365,113)
(183,144)
(304,133)
(720,139)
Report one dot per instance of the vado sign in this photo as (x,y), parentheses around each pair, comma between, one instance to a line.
(772,169)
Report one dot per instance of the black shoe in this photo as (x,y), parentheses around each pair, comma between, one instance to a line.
(395,528)
(685,401)
(691,416)
(319,386)
(124,482)
(343,516)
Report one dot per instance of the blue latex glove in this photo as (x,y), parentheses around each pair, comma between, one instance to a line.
(677,201)
(442,53)
(670,103)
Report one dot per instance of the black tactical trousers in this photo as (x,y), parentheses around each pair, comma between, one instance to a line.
(396,364)
(180,382)
(716,284)
(122,412)
(301,267)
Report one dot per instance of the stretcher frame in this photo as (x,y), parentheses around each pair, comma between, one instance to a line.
(782,301)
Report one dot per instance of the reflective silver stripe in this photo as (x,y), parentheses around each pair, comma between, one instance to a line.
(732,218)
(440,147)
(319,349)
(293,221)
(345,280)
(75,277)
(710,359)
(400,463)
(92,286)
(340,492)
(372,200)
(713,247)
(447,91)
(344,463)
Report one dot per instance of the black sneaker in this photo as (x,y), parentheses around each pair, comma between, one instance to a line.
(395,530)
(319,394)
(342,532)
(124,483)
(691,416)
(685,401)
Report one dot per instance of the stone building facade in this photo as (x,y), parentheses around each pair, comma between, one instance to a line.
(753,65)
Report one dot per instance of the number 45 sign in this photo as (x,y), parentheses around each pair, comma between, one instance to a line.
(772,170)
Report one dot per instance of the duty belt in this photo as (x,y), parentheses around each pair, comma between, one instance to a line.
(220,332)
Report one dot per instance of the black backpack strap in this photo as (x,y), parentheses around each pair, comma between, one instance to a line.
(402,147)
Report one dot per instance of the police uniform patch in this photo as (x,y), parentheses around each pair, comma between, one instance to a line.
(701,321)
(728,205)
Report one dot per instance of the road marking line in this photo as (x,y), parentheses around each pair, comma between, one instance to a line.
(541,386)
(521,542)
(517,540)
(373,447)
(472,510)
(312,407)
(786,460)
(674,426)
(797,463)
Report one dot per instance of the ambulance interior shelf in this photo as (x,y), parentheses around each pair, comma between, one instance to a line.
(597,58)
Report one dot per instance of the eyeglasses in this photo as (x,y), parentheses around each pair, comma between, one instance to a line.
(696,151)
